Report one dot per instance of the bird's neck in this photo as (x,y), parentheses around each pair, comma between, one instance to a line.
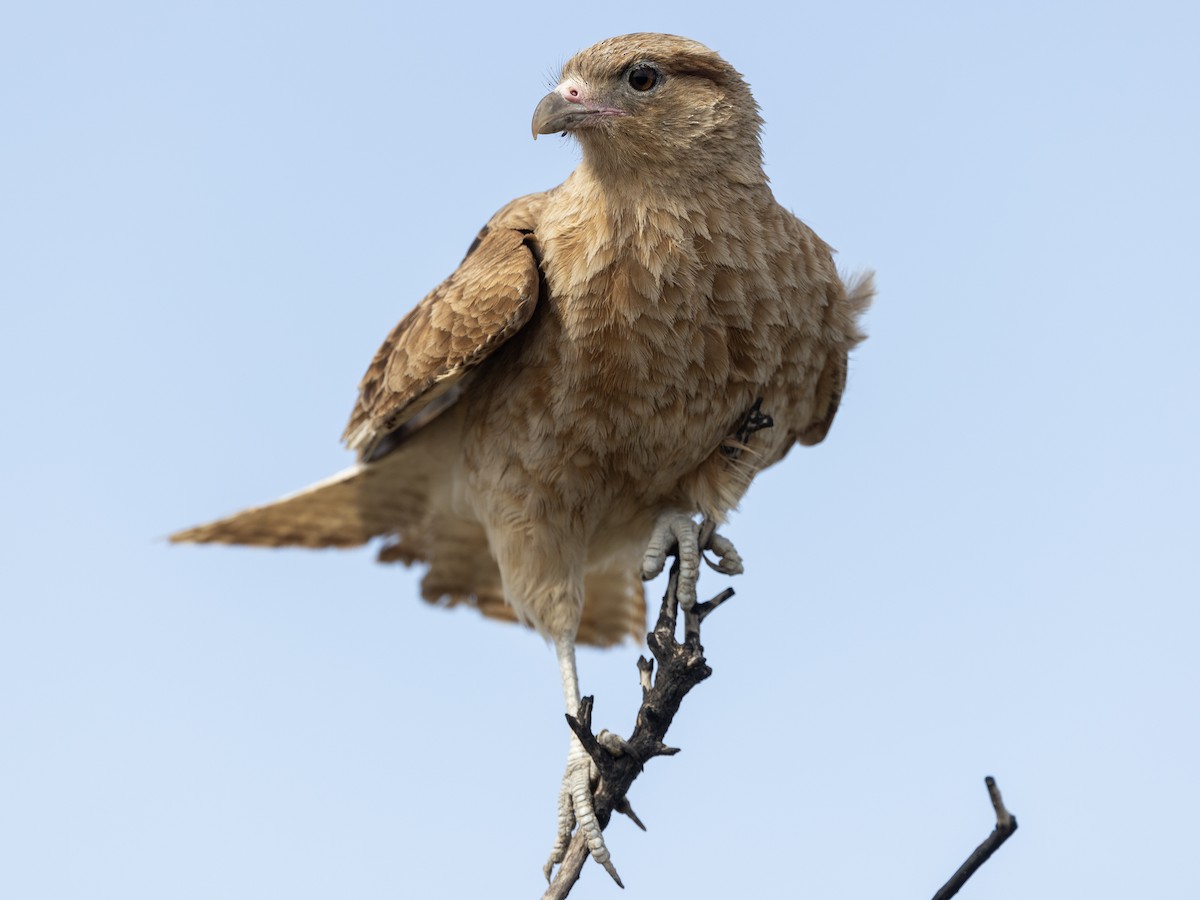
(630,178)
(609,191)
(613,255)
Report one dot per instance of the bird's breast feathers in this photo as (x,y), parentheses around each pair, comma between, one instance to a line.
(645,354)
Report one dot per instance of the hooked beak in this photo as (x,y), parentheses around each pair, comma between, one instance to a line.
(557,112)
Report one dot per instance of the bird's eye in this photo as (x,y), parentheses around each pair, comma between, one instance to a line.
(643,78)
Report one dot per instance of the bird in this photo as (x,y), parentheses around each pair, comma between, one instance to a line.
(565,408)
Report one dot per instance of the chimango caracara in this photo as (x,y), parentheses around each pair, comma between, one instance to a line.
(569,397)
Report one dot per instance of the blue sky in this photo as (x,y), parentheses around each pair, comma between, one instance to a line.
(210,216)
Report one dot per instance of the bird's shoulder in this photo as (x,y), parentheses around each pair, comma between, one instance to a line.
(419,370)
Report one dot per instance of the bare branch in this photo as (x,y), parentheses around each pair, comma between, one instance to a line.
(1006,824)
(681,666)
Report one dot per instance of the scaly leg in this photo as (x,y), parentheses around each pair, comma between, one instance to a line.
(575,796)
(692,538)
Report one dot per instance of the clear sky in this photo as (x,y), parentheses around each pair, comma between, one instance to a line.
(210,216)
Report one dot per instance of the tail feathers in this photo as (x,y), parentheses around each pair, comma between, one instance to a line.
(860,291)
(373,499)
(341,511)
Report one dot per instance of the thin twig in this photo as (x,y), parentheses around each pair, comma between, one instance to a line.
(1006,824)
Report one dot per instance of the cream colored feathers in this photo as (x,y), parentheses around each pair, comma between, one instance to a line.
(583,373)
(542,422)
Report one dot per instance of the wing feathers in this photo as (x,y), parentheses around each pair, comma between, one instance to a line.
(486,301)
(832,381)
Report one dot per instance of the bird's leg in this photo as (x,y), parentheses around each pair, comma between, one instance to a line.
(575,805)
(676,529)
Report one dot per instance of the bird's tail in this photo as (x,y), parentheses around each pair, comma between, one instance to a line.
(371,499)
(344,510)
(860,291)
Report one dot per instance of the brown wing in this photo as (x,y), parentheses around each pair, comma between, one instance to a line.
(418,371)
(841,322)
(828,397)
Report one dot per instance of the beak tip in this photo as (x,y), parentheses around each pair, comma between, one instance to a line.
(552,114)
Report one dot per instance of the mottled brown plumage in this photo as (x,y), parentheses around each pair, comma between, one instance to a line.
(523,429)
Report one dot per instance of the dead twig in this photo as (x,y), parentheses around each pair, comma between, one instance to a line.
(1006,824)
(681,666)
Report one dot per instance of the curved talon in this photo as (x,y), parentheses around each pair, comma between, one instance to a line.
(575,808)
(730,562)
(674,529)
(612,870)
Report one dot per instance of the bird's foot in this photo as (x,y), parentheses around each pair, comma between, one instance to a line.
(675,529)
(575,807)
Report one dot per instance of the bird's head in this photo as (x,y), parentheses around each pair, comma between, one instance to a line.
(656,103)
